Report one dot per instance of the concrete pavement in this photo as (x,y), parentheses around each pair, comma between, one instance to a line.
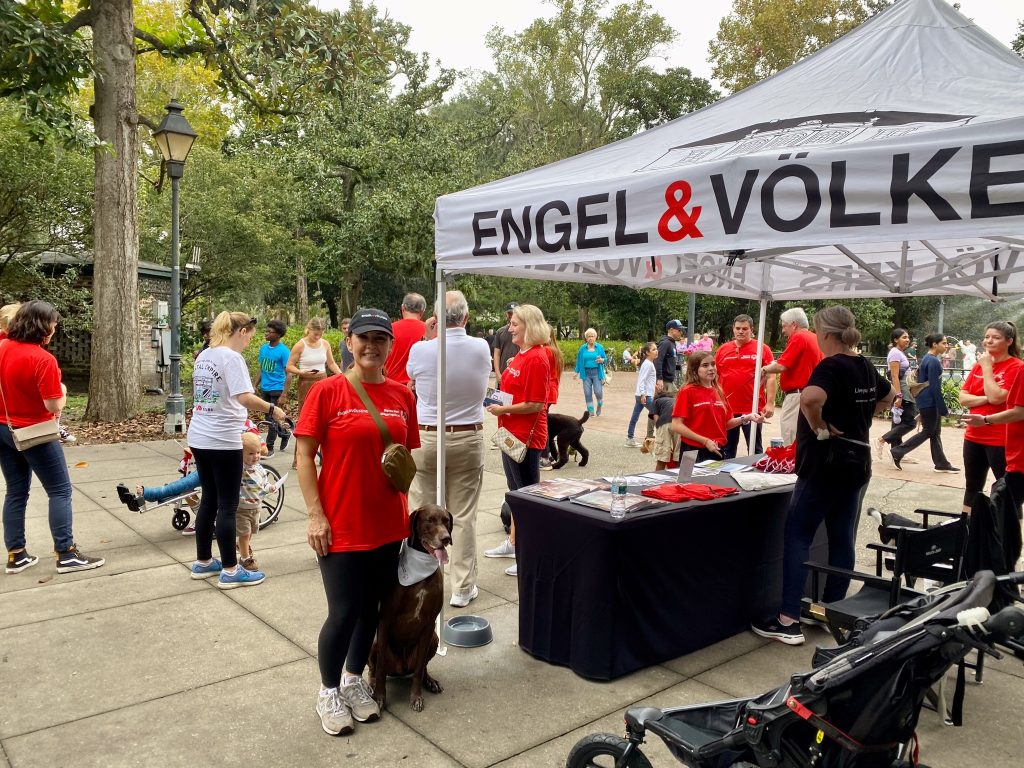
(136,664)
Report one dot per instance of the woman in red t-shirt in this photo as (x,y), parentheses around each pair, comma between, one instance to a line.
(984,393)
(701,415)
(357,519)
(557,362)
(31,392)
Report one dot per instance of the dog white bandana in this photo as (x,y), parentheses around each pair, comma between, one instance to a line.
(414,566)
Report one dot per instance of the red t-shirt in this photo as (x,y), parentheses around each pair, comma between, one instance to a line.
(801,356)
(407,332)
(703,411)
(736,367)
(554,377)
(526,378)
(362,507)
(30,375)
(1015,430)
(1005,373)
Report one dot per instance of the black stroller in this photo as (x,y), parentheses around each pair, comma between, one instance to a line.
(858,708)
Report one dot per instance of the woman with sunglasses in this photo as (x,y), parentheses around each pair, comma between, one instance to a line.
(222,396)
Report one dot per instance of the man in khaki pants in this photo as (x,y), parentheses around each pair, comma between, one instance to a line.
(795,365)
(468,361)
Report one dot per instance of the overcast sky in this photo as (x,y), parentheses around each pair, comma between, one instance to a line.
(453,30)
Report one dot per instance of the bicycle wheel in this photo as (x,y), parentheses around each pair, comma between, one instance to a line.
(602,750)
(272,503)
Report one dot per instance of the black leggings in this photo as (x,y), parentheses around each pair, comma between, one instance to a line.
(220,477)
(355,583)
(978,460)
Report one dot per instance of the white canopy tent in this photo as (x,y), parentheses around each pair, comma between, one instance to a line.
(890,162)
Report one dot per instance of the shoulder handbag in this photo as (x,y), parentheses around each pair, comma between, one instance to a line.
(511,445)
(35,434)
(913,385)
(396,462)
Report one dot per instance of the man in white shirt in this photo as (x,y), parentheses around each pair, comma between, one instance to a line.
(468,366)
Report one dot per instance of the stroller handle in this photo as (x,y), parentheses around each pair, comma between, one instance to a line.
(1008,624)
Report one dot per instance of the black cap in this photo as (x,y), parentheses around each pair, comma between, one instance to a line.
(366,320)
(510,306)
(674,324)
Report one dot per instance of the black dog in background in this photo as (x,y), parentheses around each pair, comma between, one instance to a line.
(563,432)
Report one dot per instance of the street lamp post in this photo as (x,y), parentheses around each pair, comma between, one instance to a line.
(175,136)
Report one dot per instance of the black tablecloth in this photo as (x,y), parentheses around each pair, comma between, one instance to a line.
(608,597)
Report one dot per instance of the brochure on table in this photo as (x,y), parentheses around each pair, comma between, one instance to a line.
(631,501)
(561,488)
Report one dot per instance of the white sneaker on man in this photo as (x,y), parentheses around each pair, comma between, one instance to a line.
(461,600)
(512,570)
(505,549)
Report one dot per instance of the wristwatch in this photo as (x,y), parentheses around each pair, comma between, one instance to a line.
(985,420)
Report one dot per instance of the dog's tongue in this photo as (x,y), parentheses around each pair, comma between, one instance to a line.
(441,555)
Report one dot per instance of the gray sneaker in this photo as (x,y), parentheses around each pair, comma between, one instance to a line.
(505,549)
(335,718)
(359,699)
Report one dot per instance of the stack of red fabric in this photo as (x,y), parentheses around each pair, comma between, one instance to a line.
(688,492)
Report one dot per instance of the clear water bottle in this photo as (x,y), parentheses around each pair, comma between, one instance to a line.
(618,489)
(897,415)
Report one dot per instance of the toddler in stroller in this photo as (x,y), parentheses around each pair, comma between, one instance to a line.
(858,709)
(183,494)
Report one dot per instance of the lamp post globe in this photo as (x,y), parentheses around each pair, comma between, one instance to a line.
(174,136)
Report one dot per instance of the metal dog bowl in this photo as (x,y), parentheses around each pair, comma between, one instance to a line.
(467,631)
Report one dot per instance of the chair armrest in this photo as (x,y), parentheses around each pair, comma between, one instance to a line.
(880,551)
(829,570)
(936,512)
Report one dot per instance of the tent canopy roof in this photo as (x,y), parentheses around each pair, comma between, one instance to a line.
(889,162)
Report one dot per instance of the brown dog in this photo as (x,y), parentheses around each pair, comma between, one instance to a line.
(406,640)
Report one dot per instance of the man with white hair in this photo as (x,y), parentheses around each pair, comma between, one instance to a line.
(407,332)
(468,367)
(794,365)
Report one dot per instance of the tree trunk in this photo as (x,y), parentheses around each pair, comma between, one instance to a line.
(351,290)
(301,291)
(115,379)
(584,319)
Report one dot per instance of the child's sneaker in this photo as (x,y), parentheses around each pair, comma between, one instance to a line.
(66,437)
(249,563)
(201,571)
(285,434)
(240,578)
(136,502)
(19,561)
(73,560)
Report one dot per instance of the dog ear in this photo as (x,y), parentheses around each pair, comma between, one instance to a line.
(414,520)
(449,521)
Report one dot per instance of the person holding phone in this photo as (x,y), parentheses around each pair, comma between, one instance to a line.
(309,361)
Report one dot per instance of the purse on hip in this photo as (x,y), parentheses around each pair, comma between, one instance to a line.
(32,435)
(396,462)
(511,445)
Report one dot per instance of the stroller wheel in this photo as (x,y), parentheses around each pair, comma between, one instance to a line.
(180,519)
(602,750)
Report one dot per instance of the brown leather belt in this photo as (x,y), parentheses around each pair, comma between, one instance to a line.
(792,391)
(453,428)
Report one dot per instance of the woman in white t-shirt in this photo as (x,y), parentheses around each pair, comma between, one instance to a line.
(646,378)
(222,393)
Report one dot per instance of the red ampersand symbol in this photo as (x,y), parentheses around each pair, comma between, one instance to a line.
(677,196)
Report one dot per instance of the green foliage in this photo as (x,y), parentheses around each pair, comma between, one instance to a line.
(951,395)
(25,279)
(762,37)
(43,58)
(1018,42)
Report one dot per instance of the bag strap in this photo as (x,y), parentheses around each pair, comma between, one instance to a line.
(357,385)
(2,395)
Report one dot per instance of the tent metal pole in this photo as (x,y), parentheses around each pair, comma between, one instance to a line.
(442,333)
(757,359)
(942,314)
(691,310)
(442,337)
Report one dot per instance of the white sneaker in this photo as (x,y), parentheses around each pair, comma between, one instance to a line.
(461,601)
(632,444)
(512,570)
(335,718)
(505,549)
(880,449)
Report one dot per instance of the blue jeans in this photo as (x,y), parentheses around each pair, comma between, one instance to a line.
(592,386)
(161,493)
(638,407)
(814,501)
(48,464)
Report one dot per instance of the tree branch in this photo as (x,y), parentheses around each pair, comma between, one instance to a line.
(156,44)
(81,19)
